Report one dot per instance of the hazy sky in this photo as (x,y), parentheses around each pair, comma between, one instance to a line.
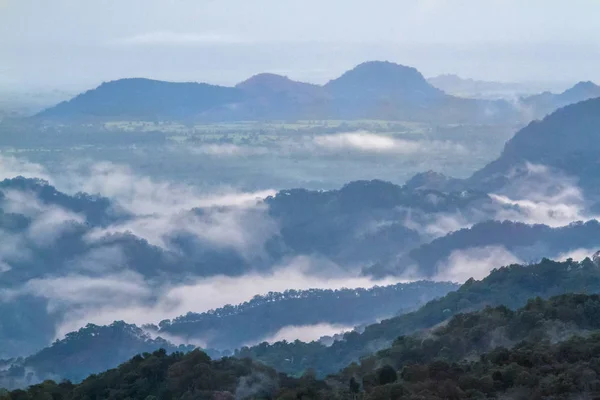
(78,43)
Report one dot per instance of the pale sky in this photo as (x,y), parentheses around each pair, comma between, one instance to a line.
(74,44)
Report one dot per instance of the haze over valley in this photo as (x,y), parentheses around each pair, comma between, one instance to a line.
(380,225)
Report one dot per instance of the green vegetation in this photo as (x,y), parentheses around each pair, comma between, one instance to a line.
(510,286)
(547,349)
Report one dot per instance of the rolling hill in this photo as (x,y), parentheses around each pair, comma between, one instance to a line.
(372,90)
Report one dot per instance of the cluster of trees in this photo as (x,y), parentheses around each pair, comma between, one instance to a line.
(469,335)
(530,370)
(246,322)
(194,375)
(91,349)
(546,349)
(511,286)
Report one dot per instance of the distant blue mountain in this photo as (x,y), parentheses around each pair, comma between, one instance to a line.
(376,90)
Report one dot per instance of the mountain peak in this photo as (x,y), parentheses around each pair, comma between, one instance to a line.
(268,83)
(583,88)
(383,79)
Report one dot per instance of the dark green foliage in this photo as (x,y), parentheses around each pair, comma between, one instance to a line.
(386,374)
(511,286)
(91,349)
(467,336)
(178,376)
(455,361)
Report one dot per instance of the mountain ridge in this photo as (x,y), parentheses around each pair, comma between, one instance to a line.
(374,90)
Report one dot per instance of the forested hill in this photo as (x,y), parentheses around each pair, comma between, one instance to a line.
(567,140)
(89,350)
(84,352)
(469,335)
(547,349)
(511,286)
(246,323)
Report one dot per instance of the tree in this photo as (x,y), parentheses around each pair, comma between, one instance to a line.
(386,374)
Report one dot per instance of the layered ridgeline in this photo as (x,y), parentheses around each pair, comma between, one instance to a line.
(547,349)
(372,90)
(61,241)
(560,151)
(91,349)
(84,352)
(565,141)
(510,286)
(372,227)
(545,103)
(265,316)
(530,98)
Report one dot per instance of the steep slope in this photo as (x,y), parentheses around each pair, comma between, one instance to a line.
(139,98)
(496,353)
(471,335)
(511,286)
(567,140)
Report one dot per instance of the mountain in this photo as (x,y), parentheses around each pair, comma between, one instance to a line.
(493,330)
(230,327)
(178,376)
(278,97)
(53,238)
(521,241)
(545,103)
(372,90)
(84,352)
(138,98)
(89,350)
(566,140)
(546,349)
(510,286)
(376,80)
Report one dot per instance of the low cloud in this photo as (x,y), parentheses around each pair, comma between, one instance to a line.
(577,254)
(162,210)
(228,150)
(476,262)
(127,296)
(539,195)
(12,166)
(48,222)
(373,143)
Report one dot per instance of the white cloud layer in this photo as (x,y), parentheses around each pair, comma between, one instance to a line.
(476,262)
(127,296)
(373,143)
(306,333)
